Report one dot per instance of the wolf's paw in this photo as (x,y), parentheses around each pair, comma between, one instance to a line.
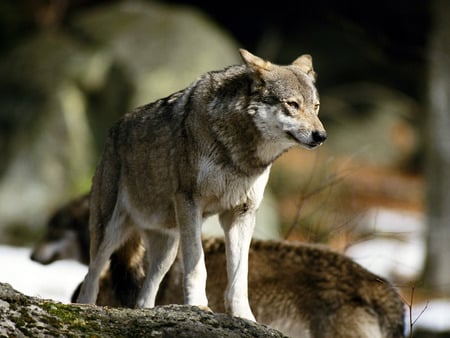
(205,308)
(243,313)
(240,307)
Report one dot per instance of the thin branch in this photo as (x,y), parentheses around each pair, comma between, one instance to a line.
(421,313)
(303,198)
(410,308)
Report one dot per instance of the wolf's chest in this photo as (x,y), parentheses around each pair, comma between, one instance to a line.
(221,189)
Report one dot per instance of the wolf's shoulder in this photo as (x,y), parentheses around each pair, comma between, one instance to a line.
(159,111)
(173,108)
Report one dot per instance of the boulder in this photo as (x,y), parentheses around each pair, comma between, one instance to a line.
(23,316)
(61,91)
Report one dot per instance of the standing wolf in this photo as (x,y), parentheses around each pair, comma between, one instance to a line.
(204,150)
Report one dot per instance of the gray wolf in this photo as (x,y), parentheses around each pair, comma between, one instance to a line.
(302,290)
(201,151)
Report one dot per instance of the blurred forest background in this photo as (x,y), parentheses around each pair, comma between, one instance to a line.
(69,68)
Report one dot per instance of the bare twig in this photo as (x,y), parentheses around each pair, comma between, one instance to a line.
(409,304)
(306,196)
(331,181)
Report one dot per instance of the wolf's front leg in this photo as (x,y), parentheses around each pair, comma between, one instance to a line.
(238,226)
(189,220)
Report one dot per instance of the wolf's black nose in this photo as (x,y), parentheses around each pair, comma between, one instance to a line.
(319,136)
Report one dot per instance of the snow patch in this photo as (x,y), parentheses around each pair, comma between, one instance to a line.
(56,281)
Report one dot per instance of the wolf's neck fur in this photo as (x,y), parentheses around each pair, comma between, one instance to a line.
(225,98)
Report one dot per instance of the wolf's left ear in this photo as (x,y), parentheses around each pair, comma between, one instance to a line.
(304,62)
(254,62)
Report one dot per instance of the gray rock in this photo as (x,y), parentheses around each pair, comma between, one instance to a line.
(161,48)
(47,141)
(23,316)
(60,94)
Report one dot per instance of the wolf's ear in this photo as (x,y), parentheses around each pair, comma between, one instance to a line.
(255,62)
(304,62)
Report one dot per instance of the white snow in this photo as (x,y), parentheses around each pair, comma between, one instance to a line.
(392,259)
(433,316)
(56,281)
(397,249)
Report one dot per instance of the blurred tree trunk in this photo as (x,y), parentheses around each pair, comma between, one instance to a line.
(437,272)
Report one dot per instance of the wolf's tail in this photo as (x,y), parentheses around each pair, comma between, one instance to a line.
(105,189)
(121,283)
(128,270)
(107,231)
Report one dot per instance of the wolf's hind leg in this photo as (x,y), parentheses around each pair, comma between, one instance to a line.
(101,248)
(162,248)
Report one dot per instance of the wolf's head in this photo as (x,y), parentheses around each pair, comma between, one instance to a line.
(285,103)
(67,234)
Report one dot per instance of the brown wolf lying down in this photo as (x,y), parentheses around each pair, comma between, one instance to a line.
(302,290)
(305,291)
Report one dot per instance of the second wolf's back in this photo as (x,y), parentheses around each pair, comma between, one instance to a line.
(291,287)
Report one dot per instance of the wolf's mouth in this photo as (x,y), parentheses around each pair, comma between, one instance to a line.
(293,137)
(308,145)
(316,139)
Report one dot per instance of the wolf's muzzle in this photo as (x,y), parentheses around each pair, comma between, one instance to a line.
(319,137)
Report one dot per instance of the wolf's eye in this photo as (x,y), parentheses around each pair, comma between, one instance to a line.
(293,104)
(316,106)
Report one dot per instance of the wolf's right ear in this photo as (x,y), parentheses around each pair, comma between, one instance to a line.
(254,62)
(257,66)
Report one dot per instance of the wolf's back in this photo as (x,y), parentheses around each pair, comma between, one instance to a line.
(330,293)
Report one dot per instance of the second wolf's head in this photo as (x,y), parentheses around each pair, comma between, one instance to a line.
(285,102)
(66,234)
